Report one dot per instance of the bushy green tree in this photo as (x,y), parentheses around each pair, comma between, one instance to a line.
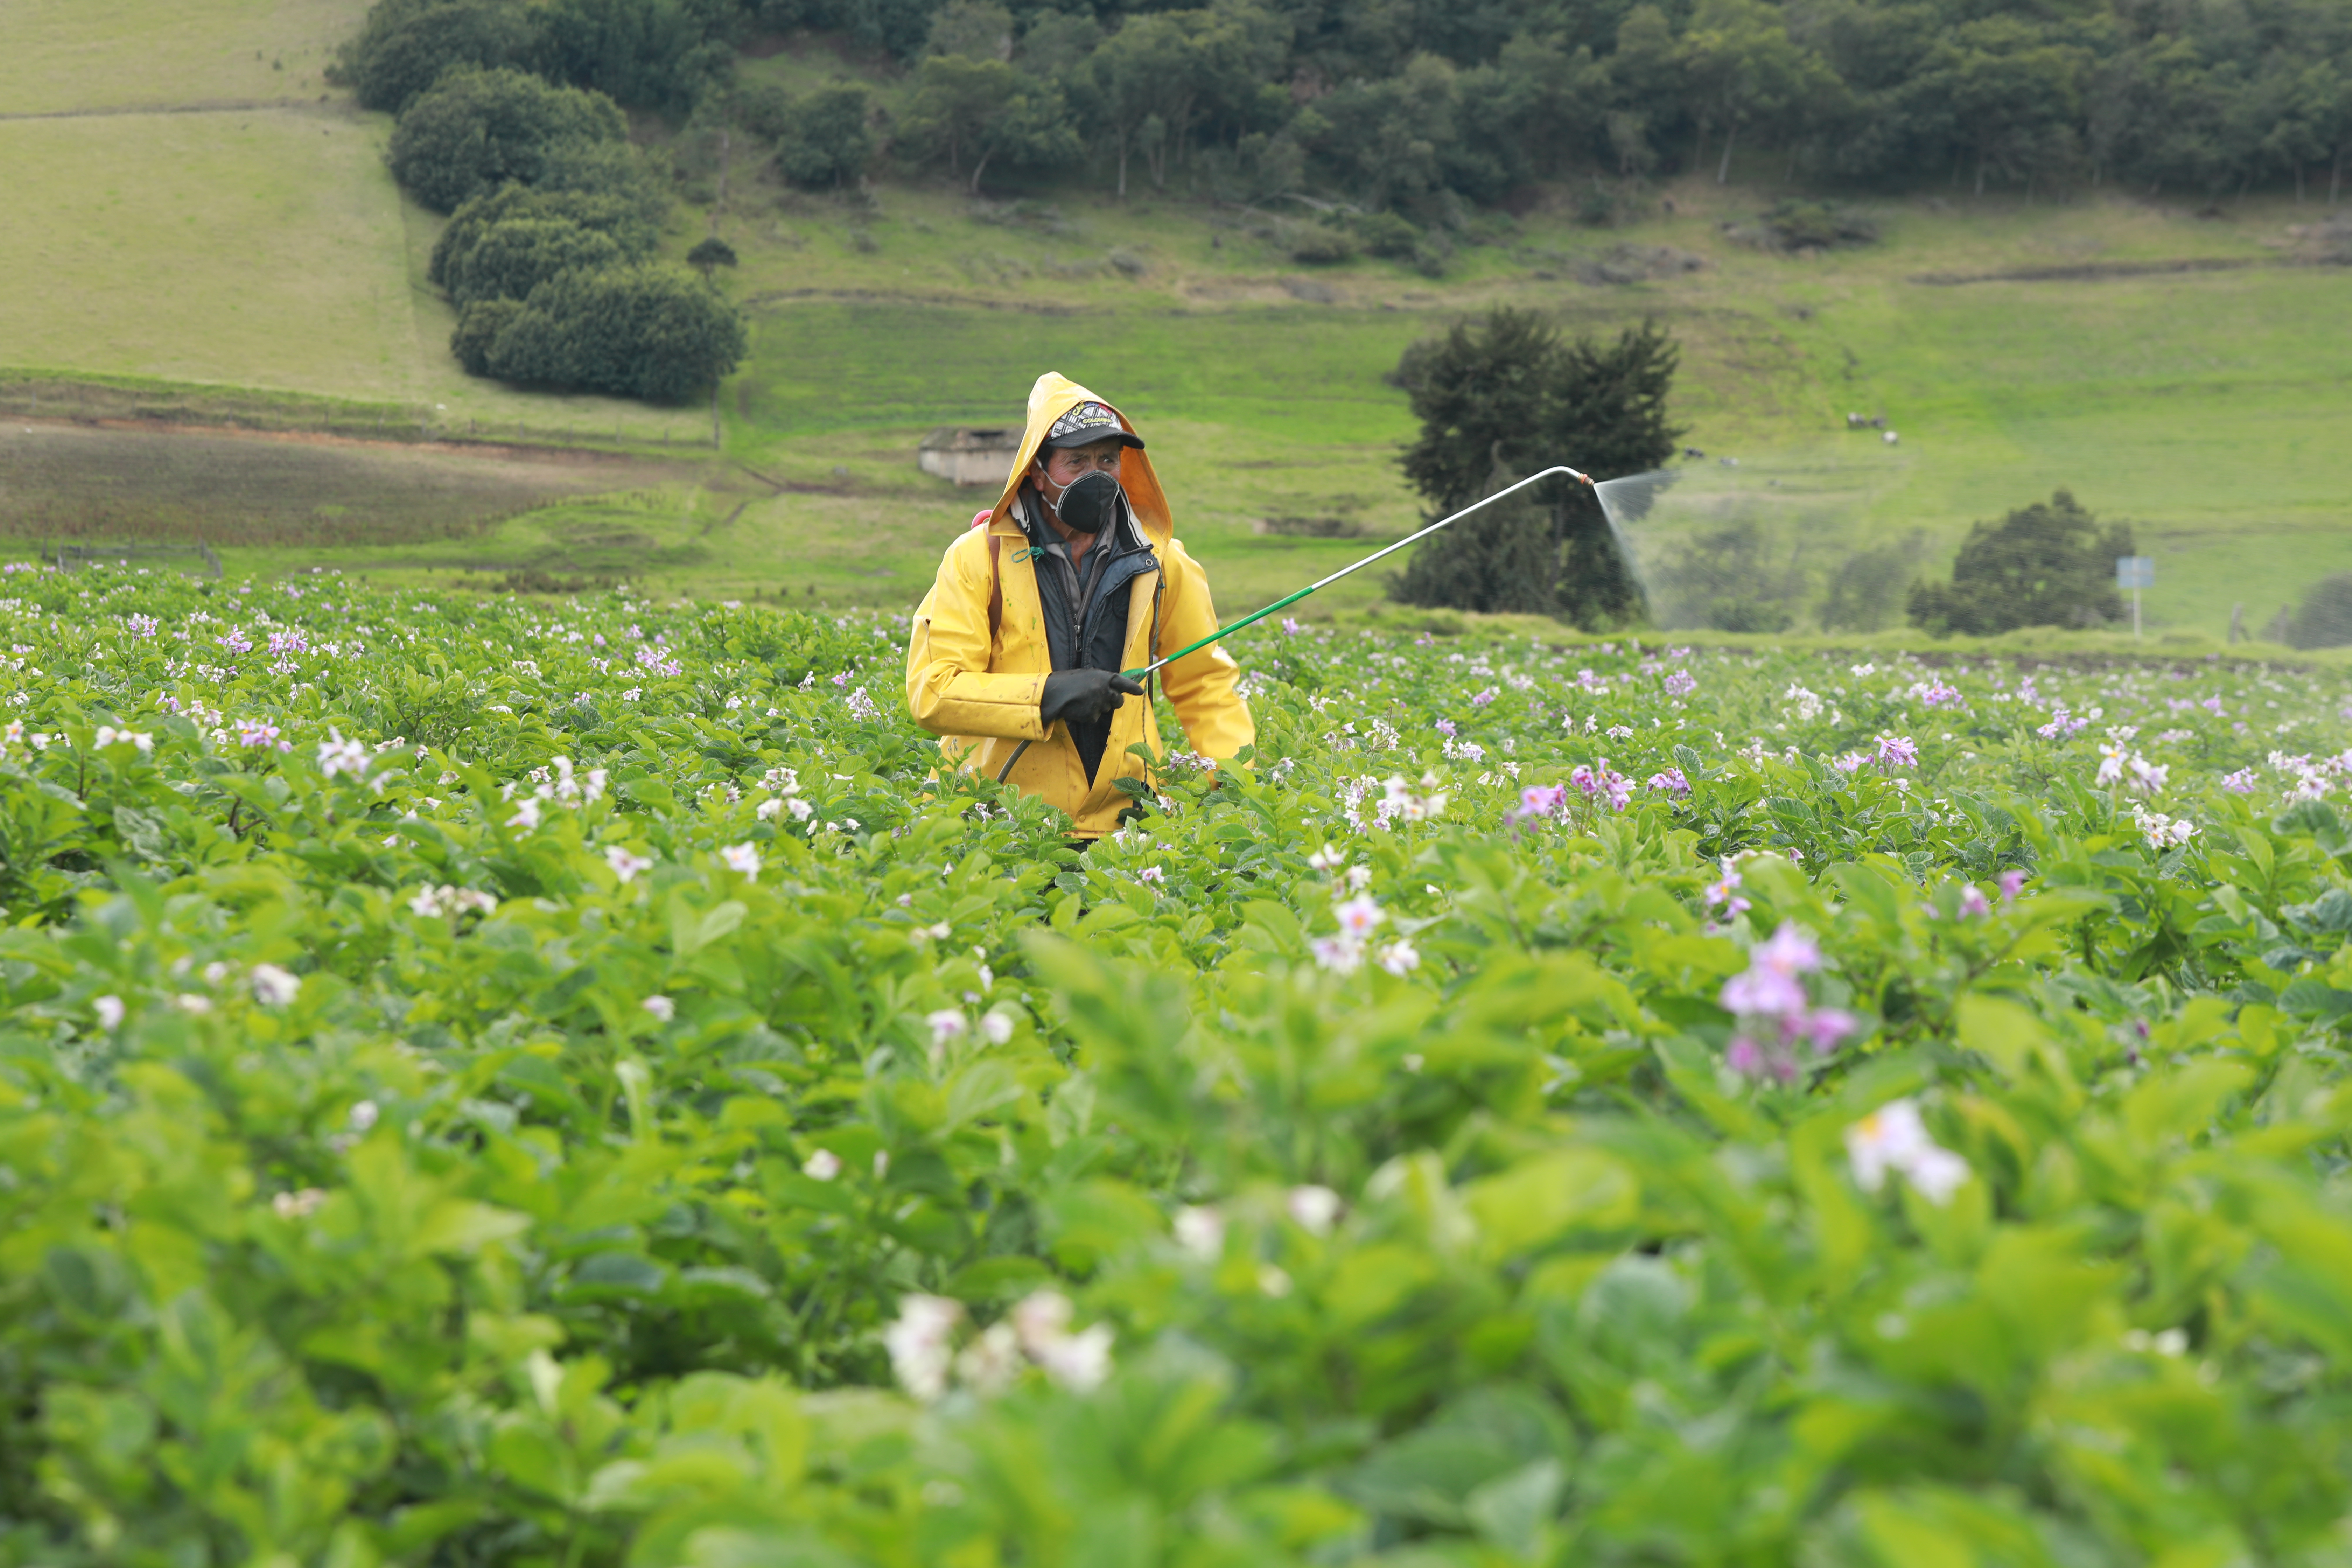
(1419,106)
(822,138)
(472,227)
(2048,564)
(1556,103)
(830,139)
(760,109)
(404,46)
(1383,233)
(1057,43)
(2009,89)
(475,130)
(649,54)
(975,29)
(900,28)
(1158,79)
(1406,143)
(651,330)
(513,258)
(613,172)
(479,326)
(710,254)
(1507,396)
(975,112)
(1741,67)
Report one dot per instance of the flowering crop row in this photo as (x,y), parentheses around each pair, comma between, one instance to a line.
(510,1081)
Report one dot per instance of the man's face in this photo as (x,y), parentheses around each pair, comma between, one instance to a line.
(1063,465)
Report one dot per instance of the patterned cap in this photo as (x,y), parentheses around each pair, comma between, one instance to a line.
(1087,424)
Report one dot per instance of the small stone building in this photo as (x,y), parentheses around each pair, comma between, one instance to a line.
(965,454)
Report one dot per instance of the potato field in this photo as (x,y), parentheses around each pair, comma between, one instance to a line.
(486,1081)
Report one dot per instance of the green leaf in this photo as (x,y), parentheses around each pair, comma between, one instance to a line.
(458,1225)
(1538,1202)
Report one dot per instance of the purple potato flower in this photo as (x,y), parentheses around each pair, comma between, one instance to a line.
(1538,801)
(1776,1015)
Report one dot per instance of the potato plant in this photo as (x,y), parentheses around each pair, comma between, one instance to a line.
(511,1082)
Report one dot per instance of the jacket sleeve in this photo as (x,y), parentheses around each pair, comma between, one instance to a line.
(1216,718)
(949,690)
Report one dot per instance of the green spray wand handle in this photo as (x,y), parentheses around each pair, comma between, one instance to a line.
(1226,631)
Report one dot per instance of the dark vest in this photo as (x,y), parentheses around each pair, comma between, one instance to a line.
(1086,628)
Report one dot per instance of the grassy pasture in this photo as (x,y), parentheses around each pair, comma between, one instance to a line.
(265,244)
(265,248)
(78,56)
(2199,403)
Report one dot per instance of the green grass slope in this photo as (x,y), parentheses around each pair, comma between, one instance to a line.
(189,202)
(75,57)
(2201,404)
(183,245)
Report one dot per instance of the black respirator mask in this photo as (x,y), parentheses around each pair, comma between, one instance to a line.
(1089,504)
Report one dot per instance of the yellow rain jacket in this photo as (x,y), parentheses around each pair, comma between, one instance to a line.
(977,660)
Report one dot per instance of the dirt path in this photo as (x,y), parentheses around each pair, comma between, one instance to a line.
(211,106)
(516,451)
(2096,271)
(128,480)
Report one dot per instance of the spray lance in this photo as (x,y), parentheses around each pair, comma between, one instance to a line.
(1224,632)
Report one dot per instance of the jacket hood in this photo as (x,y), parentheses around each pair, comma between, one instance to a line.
(1055,396)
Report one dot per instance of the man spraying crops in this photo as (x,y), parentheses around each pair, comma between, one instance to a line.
(1075,575)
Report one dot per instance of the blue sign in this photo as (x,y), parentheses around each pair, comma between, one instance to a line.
(2135,571)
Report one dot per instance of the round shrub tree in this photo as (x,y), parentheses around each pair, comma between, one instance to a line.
(473,227)
(479,326)
(2042,565)
(2325,618)
(710,254)
(649,54)
(826,138)
(406,45)
(475,130)
(650,332)
(513,258)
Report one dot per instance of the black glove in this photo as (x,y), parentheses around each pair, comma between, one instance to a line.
(1083,696)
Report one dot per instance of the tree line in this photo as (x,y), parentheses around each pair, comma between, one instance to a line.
(1397,118)
(1416,106)
(1405,107)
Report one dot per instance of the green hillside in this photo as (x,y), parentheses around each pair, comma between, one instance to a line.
(2199,403)
(2186,372)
